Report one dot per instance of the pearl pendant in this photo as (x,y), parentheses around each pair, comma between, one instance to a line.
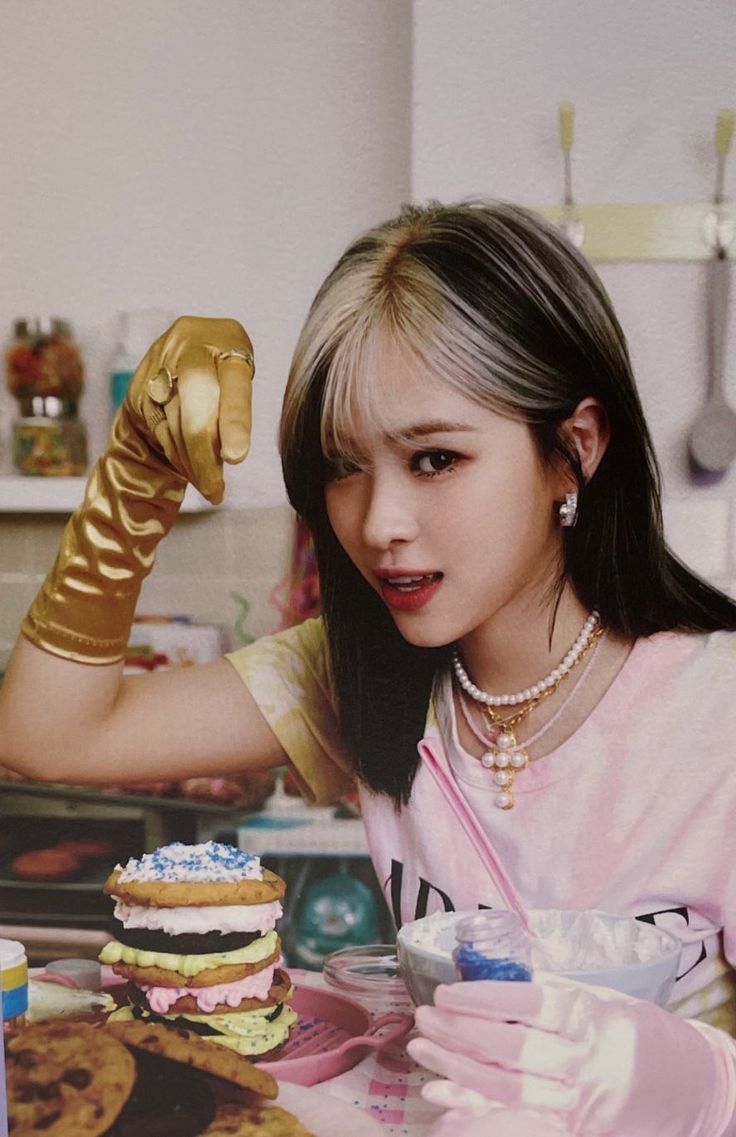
(503,758)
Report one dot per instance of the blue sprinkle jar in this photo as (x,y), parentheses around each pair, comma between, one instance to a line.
(492,945)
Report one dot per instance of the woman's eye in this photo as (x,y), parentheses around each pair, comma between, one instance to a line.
(433,462)
(337,466)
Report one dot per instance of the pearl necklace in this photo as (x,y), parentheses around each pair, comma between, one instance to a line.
(551,680)
(504,754)
(504,763)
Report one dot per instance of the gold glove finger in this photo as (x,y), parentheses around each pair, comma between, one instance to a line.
(161,411)
(199,397)
(169,437)
(235,370)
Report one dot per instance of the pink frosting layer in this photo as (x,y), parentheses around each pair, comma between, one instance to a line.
(162,999)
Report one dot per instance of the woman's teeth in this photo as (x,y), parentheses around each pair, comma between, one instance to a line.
(410,583)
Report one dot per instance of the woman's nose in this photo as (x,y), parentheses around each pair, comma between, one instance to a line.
(389,515)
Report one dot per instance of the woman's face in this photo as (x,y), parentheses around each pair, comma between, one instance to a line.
(450,514)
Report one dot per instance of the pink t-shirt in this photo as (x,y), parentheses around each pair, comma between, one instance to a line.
(634,814)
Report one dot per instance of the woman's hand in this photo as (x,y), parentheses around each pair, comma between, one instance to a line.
(599,1062)
(192,394)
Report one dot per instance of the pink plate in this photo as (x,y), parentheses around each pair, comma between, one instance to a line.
(332,1035)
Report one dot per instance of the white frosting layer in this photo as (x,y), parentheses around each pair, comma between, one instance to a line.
(209,918)
(210,862)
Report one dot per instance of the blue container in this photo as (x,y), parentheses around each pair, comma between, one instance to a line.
(14,974)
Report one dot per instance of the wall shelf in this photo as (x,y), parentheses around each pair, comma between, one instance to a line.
(650,231)
(20,493)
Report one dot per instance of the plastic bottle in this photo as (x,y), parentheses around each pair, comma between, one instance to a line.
(492,945)
(135,333)
(14,984)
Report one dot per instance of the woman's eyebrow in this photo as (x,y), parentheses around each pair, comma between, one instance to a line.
(421,429)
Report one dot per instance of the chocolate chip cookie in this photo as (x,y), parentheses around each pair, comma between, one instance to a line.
(254,1121)
(66,1079)
(185,1046)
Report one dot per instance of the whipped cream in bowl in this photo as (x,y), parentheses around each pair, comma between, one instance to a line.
(619,952)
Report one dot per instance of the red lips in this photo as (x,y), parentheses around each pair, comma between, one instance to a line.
(407,591)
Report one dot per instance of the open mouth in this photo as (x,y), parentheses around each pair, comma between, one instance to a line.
(409,583)
(408,592)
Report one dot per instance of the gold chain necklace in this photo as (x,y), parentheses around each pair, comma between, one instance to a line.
(505,755)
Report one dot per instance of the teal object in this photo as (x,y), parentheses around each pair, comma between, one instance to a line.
(338,911)
(119,381)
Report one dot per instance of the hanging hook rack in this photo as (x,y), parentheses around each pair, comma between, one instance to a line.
(647,231)
(719,225)
(571,225)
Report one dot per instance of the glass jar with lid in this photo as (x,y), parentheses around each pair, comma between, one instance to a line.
(45,374)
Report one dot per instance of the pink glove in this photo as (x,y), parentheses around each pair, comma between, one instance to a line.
(602,1063)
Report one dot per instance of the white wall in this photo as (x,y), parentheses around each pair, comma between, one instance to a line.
(647,80)
(207,156)
(214,156)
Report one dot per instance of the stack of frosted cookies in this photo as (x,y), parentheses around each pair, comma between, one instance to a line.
(195,937)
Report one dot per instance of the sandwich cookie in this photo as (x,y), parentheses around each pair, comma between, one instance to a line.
(195,937)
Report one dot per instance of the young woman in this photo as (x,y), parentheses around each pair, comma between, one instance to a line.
(533,694)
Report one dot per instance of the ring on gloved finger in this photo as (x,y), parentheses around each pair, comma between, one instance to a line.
(246,356)
(161,387)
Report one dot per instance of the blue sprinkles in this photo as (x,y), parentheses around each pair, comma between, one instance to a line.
(472,964)
(170,862)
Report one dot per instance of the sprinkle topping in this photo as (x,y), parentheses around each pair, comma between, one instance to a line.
(210,861)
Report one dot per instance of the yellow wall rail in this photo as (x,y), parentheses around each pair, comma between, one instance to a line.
(649,231)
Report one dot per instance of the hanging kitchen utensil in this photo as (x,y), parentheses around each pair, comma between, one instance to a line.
(570,224)
(712,441)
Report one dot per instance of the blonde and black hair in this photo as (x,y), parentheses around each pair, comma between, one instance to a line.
(492,300)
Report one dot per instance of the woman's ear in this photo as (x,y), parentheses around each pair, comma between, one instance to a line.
(588,430)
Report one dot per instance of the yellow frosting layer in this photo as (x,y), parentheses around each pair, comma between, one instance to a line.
(189,965)
(246,1032)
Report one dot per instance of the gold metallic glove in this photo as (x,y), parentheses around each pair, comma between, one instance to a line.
(187,410)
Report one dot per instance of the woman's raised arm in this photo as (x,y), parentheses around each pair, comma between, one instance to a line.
(66,712)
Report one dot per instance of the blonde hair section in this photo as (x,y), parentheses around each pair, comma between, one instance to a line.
(383,299)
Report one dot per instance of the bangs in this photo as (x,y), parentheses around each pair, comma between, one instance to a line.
(446,298)
(401,333)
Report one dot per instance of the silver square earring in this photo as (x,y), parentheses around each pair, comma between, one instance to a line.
(569,510)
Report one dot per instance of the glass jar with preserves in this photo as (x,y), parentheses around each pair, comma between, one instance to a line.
(46,375)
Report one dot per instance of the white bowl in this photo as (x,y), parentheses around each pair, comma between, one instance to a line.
(649,957)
